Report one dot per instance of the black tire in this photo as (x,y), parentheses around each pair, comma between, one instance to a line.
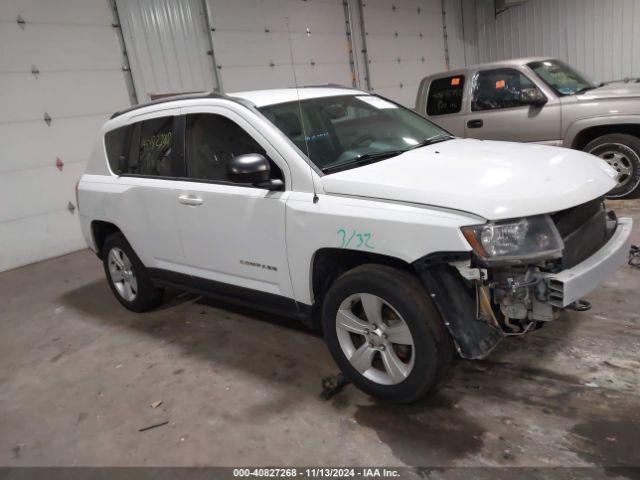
(432,345)
(627,150)
(147,295)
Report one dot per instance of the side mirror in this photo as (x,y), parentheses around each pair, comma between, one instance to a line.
(252,168)
(532,97)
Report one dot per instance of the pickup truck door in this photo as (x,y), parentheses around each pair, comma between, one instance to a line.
(232,234)
(496,110)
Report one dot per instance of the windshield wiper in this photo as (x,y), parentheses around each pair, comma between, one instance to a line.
(369,157)
(362,160)
(441,137)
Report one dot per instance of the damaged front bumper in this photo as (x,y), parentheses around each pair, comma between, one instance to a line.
(533,293)
(568,286)
(480,306)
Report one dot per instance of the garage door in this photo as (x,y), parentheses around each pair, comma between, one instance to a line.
(405,42)
(252,43)
(168,45)
(60,79)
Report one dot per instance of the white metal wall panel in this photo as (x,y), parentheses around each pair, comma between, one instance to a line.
(44,143)
(252,42)
(599,37)
(74,46)
(405,42)
(52,91)
(168,46)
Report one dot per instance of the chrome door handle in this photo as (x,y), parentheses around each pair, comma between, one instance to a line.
(191,200)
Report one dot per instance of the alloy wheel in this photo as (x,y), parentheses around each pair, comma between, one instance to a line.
(375,339)
(122,274)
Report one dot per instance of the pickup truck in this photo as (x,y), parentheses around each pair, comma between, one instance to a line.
(404,245)
(541,100)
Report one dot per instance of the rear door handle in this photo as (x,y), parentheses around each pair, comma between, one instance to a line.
(191,200)
(475,123)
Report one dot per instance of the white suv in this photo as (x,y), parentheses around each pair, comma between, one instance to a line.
(353,214)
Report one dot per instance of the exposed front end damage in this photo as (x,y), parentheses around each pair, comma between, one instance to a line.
(474,332)
(482,302)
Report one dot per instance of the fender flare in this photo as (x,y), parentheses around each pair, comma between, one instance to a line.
(574,129)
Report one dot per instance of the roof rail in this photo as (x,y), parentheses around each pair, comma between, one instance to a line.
(188,96)
(328,85)
(172,98)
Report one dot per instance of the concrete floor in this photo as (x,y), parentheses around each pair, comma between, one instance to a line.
(78,375)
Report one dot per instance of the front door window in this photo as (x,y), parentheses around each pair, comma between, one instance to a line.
(500,88)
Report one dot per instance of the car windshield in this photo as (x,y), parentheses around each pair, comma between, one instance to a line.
(563,79)
(346,131)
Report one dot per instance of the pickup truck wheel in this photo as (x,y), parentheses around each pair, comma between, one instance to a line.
(128,278)
(622,152)
(385,334)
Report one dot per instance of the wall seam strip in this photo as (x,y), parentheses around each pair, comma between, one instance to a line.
(126,68)
(207,20)
(365,53)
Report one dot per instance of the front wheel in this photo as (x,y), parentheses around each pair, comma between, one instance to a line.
(385,334)
(622,153)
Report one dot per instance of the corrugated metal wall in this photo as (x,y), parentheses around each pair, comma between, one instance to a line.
(599,37)
(462,32)
(168,46)
(255,42)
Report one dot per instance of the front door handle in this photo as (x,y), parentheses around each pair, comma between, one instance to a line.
(191,200)
(477,123)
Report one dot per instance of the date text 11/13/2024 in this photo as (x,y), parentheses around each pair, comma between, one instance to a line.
(317,472)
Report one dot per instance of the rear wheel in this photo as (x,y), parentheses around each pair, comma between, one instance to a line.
(128,278)
(622,153)
(385,334)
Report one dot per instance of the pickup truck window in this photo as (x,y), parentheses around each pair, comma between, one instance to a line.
(342,130)
(499,88)
(563,79)
(445,95)
(211,141)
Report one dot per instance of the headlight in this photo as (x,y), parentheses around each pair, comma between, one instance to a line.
(513,240)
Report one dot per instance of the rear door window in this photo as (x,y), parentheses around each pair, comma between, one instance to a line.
(151,154)
(445,95)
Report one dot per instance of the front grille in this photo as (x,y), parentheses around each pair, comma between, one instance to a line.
(567,221)
(584,230)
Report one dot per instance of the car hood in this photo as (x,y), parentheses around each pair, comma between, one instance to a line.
(495,180)
(613,90)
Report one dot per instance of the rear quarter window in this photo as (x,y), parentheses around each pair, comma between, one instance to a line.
(116,143)
(445,95)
